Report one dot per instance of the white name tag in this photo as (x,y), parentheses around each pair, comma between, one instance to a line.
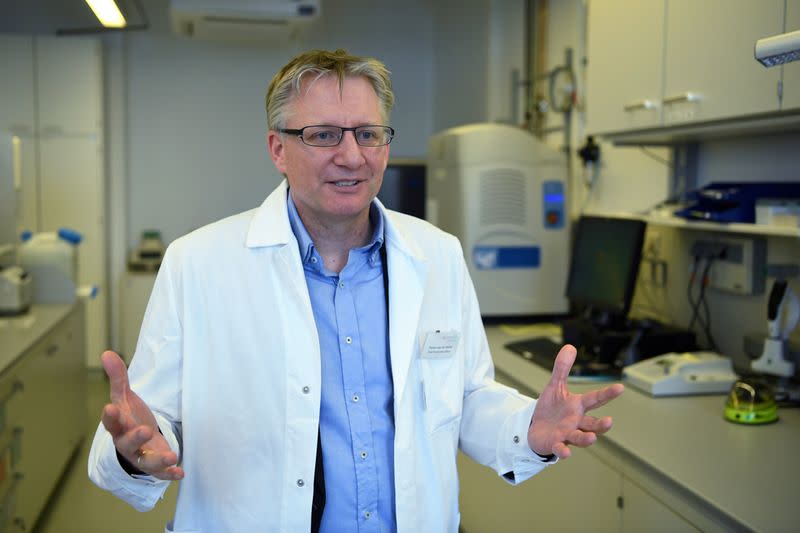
(440,344)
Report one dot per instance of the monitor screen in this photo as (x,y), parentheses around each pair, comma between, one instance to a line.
(605,263)
(403,187)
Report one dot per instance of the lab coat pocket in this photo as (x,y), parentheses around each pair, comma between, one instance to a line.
(442,392)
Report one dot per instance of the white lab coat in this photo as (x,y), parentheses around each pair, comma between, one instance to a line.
(228,358)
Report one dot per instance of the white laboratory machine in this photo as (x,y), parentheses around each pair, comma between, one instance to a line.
(680,374)
(502,192)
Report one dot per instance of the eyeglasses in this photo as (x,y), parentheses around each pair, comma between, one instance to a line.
(332,135)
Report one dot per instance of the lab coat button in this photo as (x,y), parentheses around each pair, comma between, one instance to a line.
(516,439)
(300,483)
(306,389)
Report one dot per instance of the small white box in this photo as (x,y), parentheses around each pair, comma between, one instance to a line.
(783,212)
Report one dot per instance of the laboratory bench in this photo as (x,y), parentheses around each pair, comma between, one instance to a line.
(668,464)
(42,406)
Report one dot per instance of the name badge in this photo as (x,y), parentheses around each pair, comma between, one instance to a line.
(440,344)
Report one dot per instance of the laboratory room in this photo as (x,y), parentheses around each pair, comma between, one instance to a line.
(191,306)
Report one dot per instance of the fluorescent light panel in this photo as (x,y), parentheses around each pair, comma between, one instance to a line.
(107,13)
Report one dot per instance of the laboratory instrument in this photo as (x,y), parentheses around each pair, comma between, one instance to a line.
(16,290)
(751,402)
(148,254)
(734,202)
(679,374)
(502,192)
(783,315)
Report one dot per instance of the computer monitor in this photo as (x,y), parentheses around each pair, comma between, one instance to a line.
(605,263)
(403,186)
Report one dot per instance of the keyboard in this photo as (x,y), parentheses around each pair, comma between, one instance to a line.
(542,351)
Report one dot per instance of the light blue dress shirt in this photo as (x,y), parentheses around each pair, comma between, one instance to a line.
(356,411)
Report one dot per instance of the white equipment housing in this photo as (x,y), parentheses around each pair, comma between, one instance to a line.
(242,20)
(503,194)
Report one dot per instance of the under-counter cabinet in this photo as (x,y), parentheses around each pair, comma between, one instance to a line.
(678,62)
(46,411)
(582,493)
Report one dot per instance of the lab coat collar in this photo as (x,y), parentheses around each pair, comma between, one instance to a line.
(270,226)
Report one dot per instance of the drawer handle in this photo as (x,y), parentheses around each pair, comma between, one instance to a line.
(641,104)
(688,96)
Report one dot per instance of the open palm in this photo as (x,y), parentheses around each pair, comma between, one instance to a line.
(560,418)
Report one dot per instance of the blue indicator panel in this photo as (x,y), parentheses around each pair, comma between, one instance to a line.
(553,199)
(495,257)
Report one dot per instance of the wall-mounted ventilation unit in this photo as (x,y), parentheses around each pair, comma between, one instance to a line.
(242,20)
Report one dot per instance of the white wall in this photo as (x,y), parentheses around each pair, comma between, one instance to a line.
(195,110)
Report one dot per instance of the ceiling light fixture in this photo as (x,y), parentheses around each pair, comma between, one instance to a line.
(107,13)
(779,49)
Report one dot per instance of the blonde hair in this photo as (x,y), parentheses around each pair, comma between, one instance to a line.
(285,85)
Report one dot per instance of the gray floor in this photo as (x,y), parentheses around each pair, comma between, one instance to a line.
(77,506)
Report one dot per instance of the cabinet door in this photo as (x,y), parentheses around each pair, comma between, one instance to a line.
(72,195)
(17,152)
(578,494)
(51,410)
(791,71)
(16,83)
(710,72)
(625,65)
(69,84)
(642,512)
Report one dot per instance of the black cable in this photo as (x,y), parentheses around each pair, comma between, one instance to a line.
(706,323)
(656,157)
(689,291)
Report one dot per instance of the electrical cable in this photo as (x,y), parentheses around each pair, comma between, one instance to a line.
(656,157)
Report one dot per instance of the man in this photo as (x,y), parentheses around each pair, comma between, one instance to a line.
(315,363)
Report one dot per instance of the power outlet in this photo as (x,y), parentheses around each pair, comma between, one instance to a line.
(742,268)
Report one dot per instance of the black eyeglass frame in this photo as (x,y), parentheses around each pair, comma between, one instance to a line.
(299,133)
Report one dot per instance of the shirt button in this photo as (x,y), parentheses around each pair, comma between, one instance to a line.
(363,455)
(367,514)
(306,389)
(314,260)
(341,284)
(516,439)
(300,483)
(348,340)
(355,397)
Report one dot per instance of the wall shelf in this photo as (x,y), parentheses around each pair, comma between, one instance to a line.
(668,219)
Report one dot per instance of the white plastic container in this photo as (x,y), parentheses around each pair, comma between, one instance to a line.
(52,260)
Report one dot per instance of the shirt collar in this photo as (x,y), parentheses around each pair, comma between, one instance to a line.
(306,245)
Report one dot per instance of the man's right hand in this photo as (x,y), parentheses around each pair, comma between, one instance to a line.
(134,428)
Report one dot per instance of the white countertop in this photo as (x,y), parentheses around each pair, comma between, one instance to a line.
(751,474)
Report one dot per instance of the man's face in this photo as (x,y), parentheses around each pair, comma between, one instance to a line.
(331,184)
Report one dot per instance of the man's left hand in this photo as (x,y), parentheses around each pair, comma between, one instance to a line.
(560,418)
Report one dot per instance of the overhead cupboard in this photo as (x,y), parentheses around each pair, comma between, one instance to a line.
(666,64)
